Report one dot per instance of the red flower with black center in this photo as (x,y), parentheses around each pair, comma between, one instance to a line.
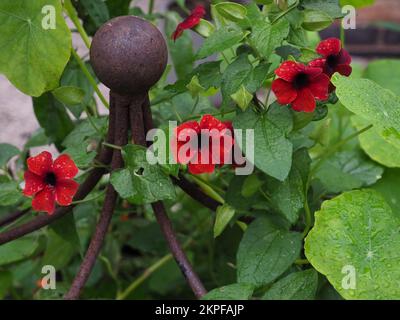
(335,58)
(300,85)
(49,182)
(203,145)
(190,22)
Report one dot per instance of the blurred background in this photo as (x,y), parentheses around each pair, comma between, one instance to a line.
(377,36)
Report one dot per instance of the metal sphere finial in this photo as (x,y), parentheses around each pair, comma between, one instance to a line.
(128,55)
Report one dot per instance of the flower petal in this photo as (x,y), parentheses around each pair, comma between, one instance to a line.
(65,191)
(33,183)
(344,69)
(288,70)
(64,167)
(190,22)
(44,200)
(305,101)
(40,164)
(209,122)
(331,46)
(198,168)
(319,87)
(318,63)
(312,72)
(284,91)
(344,57)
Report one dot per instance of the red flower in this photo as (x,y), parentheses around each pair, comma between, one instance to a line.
(335,58)
(49,182)
(300,85)
(203,145)
(190,22)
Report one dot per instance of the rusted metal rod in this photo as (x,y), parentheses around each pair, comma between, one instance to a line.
(121,105)
(137,124)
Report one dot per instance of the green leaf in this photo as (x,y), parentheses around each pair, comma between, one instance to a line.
(231,11)
(53,118)
(330,7)
(375,145)
(242,97)
(9,193)
(265,252)
(315,20)
(360,232)
(382,71)
(223,39)
(81,156)
(296,286)
(141,182)
(357,3)
(73,76)
(209,74)
(5,283)
(205,28)
(223,216)
(365,98)
(241,73)
(31,57)
(388,188)
(251,186)
(266,37)
(181,50)
(97,11)
(236,291)
(288,196)
(69,95)
(7,151)
(347,170)
(118,8)
(194,87)
(273,153)
(17,250)
(62,242)
(85,130)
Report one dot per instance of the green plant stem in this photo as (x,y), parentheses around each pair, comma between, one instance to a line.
(88,200)
(208,189)
(151,6)
(88,75)
(342,34)
(302,262)
(72,14)
(320,161)
(283,13)
(89,117)
(112,146)
(147,273)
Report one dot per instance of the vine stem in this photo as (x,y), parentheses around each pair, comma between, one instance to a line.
(91,79)
(148,272)
(194,192)
(96,243)
(86,187)
(140,121)
(321,159)
(282,14)
(12,217)
(71,12)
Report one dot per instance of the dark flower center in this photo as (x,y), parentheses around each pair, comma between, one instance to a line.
(332,61)
(50,179)
(301,81)
(202,137)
